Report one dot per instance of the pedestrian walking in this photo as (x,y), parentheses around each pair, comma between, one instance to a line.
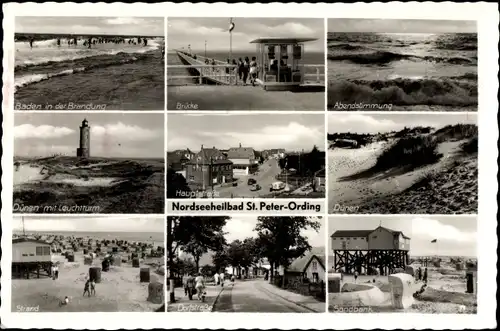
(216,279)
(221,275)
(200,286)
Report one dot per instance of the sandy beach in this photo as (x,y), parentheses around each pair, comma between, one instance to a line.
(109,76)
(445,292)
(119,289)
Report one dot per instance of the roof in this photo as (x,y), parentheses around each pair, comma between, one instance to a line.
(241,153)
(351,233)
(208,156)
(301,264)
(281,40)
(24,239)
(363,233)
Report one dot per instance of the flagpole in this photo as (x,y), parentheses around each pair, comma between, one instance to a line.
(231,40)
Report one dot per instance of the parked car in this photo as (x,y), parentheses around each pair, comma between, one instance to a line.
(277,186)
(251,181)
(255,187)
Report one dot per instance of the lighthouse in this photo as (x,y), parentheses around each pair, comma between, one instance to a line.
(84,150)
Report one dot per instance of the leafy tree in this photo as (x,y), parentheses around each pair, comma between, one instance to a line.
(281,239)
(195,235)
(220,260)
(176,183)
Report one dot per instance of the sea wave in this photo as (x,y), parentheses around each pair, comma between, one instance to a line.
(72,53)
(384,57)
(405,92)
(29,79)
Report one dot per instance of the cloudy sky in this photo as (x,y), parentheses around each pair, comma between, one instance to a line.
(456,235)
(373,123)
(260,131)
(90,224)
(140,26)
(400,26)
(112,134)
(194,31)
(241,227)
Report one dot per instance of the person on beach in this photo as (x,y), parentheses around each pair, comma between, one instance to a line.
(92,287)
(86,288)
(355,276)
(53,271)
(200,286)
(253,70)
(425,276)
(31,43)
(64,302)
(89,42)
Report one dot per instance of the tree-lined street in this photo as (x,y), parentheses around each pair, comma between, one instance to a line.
(277,240)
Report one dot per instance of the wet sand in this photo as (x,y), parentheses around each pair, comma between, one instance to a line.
(135,85)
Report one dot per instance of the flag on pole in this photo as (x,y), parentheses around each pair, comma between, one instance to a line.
(231,25)
(434,241)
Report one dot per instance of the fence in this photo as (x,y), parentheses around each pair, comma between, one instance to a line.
(226,74)
(203,71)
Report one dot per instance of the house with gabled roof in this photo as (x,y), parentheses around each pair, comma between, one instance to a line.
(178,159)
(209,167)
(244,160)
(380,238)
(311,266)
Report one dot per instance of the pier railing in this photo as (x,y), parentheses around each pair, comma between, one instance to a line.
(225,73)
(313,74)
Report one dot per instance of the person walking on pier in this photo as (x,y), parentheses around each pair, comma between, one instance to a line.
(240,68)
(253,70)
(246,70)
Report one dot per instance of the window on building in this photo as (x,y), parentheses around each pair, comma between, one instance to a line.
(374,237)
(314,265)
(25,254)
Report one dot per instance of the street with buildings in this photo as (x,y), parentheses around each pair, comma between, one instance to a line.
(233,262)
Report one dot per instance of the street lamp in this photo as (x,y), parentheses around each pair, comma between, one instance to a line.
(205,49)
